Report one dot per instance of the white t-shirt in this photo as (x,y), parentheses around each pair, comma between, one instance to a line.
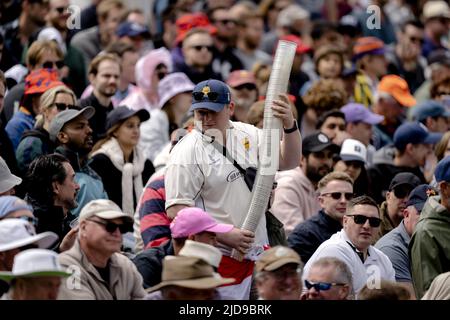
(199,175)
(377,265)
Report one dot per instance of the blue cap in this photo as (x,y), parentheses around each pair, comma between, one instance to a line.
(210,94)
(429,108)
(132,29)
(10,204)
(415,133)
(442,172)
(419,196)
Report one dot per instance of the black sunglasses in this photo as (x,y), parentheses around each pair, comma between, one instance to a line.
(51,64)
(199,96)
(354,164)
(112,227)
(321,286)
(200,47)
(225,21)
(61,10)
(63,106)
(338,195)
(247,86)
(401,193)
(32,220)
(360,219)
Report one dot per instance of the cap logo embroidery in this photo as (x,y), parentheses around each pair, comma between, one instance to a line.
(206,90)
(281,252)
(322,138)
(358,149)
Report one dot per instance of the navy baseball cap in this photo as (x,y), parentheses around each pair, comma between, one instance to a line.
(318,142)
(442,171)
(132,29)
(415,133)
(210,94)
(404,178)
(419,195)
(121,113)
(429,108)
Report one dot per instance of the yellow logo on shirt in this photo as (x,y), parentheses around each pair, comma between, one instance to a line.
(246,144)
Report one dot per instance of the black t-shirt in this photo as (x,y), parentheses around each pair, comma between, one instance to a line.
(98,120)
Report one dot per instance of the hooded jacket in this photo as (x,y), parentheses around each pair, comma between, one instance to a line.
(429,248)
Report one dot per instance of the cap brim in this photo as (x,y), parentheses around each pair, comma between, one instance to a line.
(142,114)
(198,283)
(109,215)
(216,107)
(330,145)
(405,100)
(8,276)
(433,138)
(348,157)
(220,228)
(279,263)
(9,183)
(43,240)
(373,119)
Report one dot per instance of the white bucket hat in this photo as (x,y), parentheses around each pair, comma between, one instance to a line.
(16,233)
(7,179)
(204,251)
(35,263)
(173,84)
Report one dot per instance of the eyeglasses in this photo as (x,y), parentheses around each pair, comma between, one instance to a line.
(338,195)
(32,220)
(401,193)
(199,96)
(321,286)
(360,219)
(200,47)
(112,227)
(51,64)
(247,86)
(61,10)
(63,106)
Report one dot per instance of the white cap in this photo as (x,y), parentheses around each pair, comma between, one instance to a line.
(7,179)
(51,33)
(173,84)
(353,150)
(103,208)
(204,251)
(436,9)
(16,233)
(35,263)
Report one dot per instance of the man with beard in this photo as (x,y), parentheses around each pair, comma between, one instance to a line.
(104,74)
(71,131)
(244,92)
(18,32)
(335,191)
(295,197)
(250,32)
(51,190)
(391,210)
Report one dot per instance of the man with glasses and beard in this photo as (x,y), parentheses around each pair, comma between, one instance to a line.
(335,191)
(70,130)
(295,197)
(104,74)
(353,246)
(101,272)
(391,210)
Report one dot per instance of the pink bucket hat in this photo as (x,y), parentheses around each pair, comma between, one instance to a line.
(194,220)
(173,84)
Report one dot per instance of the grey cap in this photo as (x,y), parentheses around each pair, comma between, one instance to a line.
(66,116)
(7,179)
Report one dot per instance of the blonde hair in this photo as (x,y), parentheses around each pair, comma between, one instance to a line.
(441,146)
(37,50)
(48,99)
(335,175)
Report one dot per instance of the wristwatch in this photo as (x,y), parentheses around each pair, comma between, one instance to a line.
(293,129)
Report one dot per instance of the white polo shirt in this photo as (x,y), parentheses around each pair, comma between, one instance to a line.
(377,265)
(199,175)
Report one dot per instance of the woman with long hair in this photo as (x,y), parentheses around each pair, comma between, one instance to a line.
(118,160)
(36,142)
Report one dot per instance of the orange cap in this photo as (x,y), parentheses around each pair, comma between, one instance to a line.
(398,89)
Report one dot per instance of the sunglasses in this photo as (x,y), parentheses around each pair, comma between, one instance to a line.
(51,64)
(200,47)
(63,106)
(225,21)
(354,164)
(112,227)
(401,193)
(247,86)
(338,195)
(321,286)
(360,219)
(199,96)
(32,220)
(61,10)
